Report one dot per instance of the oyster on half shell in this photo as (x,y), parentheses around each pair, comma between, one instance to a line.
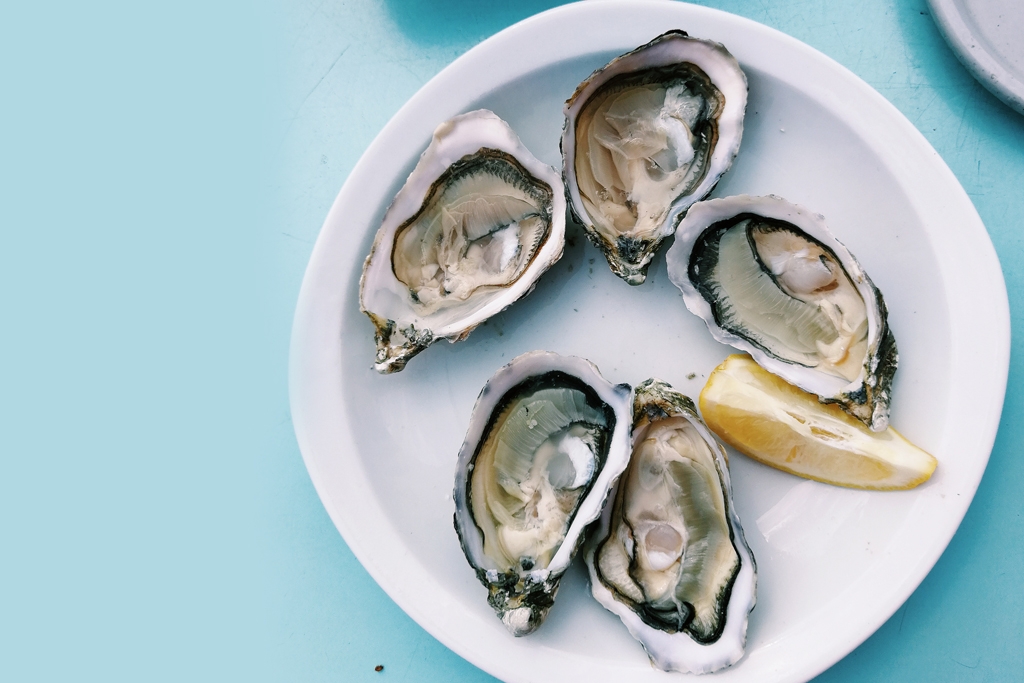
(669,556)
(476,224)
(769,278)
(645,137)
(547,440)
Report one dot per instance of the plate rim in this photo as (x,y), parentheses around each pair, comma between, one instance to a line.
(973,53)
(300,363)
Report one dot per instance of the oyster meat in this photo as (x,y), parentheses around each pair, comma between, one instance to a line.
(645,137)
(768,278)
(476,224)
(547,440)
(669,556)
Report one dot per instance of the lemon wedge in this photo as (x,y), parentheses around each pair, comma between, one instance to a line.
(773,422)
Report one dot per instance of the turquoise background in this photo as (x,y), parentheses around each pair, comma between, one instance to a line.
(164,172)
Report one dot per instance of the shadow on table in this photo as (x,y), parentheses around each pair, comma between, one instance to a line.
(441,22)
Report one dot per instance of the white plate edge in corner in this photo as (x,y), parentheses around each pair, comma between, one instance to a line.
(988,69)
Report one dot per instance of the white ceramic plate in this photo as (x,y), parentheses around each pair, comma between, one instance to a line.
(833,564)
(986,36)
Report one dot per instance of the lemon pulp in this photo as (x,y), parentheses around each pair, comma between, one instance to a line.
(773,422)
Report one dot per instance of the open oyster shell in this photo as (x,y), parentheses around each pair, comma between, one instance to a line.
(547,440)
(476,224)
(645,137)
(768,278)
(669,556)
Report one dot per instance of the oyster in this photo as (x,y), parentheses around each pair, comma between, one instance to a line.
(547,440)
(476,224)
(669,556)
(769,278)
(645,137)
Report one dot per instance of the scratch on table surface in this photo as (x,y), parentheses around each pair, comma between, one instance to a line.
(298,109)
(840,34)
(963,116)
(967,666)
(903,616)
(404,63)
(409,662)
(297,239)
(326,73)
(925,108)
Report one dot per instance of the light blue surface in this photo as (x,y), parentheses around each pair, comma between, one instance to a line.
(165,173)
(140,376)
